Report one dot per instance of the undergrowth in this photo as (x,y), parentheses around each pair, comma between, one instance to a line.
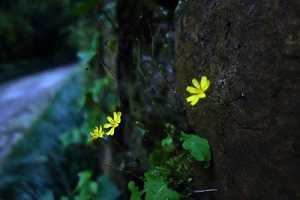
(158,160)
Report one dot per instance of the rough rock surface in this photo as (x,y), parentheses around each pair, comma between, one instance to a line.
(250,50)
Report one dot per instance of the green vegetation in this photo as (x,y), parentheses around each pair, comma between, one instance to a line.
(170,163)
(58,160)
(197,146)
(87,189)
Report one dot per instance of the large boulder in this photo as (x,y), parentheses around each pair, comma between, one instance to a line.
(250,50)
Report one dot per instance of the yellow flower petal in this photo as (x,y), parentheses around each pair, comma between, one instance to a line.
(204,83)
(119,116)
(201,95)
(191,98)
(192,90)
(115,116)
(97,133)
(195,100)
(111,132)
(109,119)
(107,125)
(196,83)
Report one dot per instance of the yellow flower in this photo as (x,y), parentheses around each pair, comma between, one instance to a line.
(197,90)
(97,133)
(113,122)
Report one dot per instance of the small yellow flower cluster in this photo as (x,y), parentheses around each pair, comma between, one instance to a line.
(197,90)
(97,133)
(113,122)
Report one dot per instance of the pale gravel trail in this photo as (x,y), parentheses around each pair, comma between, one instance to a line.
(22,101)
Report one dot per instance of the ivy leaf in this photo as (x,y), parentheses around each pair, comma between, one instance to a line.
(197,146)
(136,194)
(157,189)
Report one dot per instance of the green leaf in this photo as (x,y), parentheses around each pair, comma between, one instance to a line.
(73,136)
(136,194)
(47,196)
(108,190)
(168,144)
(158,157)
(197,146)
(84,179)
(157,189)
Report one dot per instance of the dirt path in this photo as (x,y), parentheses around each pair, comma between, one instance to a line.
(23,101)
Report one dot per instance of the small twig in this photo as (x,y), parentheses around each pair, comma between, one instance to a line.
(207,190)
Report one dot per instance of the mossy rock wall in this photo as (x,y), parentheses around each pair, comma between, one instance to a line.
(250,50)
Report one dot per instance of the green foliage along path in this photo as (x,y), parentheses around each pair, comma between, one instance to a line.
(37,157)
(23,101)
